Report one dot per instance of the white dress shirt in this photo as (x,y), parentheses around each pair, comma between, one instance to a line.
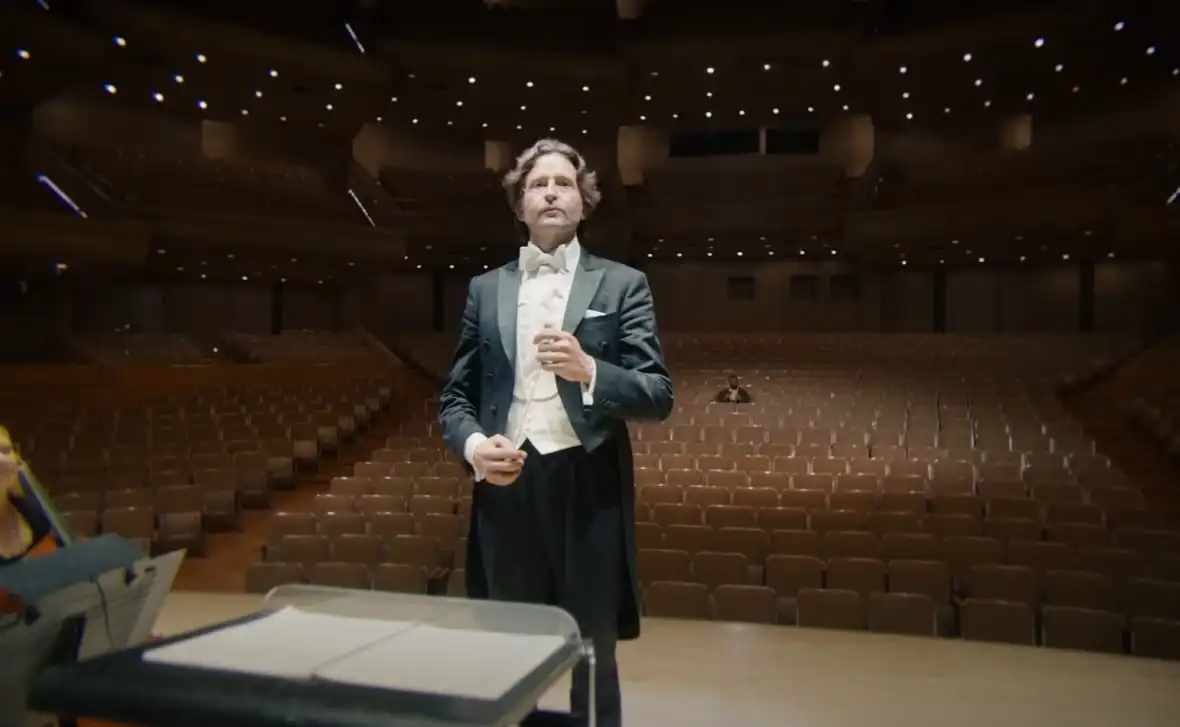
(537,414)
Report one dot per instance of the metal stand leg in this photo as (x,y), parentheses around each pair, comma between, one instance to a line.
(591,664)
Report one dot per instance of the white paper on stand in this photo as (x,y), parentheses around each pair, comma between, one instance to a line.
(402,655)
(287,643)
(455,662)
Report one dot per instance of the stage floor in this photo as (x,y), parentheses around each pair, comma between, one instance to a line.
(696,673)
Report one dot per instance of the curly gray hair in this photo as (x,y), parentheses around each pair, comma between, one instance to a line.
(587,178)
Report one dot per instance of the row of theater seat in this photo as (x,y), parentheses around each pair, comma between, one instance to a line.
(164,472)
(839,498)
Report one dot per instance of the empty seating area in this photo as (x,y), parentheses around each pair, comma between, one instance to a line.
(397,523)
(905,484)
(431,198)
(1153,395)
(166,470)
(200,185)
(311,347)
(116,348)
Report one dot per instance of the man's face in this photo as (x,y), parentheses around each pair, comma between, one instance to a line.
(733,384)
(551,205)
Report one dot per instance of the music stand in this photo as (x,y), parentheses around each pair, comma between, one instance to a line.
(78,602)
(427,665)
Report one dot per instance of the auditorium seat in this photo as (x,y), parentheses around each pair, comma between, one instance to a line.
(157,180)
(908,484)
(120,348)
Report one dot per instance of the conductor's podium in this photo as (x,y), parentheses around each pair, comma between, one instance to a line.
(325,657)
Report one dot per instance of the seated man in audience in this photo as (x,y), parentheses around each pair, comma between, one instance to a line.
(733,394)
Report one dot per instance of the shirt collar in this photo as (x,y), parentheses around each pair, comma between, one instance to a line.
(573,251)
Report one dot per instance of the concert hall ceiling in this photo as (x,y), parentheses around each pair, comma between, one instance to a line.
(946,73)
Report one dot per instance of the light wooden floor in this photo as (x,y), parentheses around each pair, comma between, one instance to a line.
(691,674)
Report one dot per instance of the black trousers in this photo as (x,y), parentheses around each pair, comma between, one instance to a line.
(555,537)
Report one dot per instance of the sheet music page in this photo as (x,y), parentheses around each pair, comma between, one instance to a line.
(456,662)
(287,643)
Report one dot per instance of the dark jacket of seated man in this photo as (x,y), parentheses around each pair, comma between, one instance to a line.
(733,394)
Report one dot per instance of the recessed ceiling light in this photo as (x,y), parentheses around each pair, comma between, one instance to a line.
(379,119)
(585,89)
(518,127)
(1123,81)
(339,86)
(978,82)
(413,121)
(329,107)
(523,107)
(1030,96)
(708,114)
(178,78)
(283,119)
(273,73)
(202,105)
(708,94)
(675,115)
(987,104)
(774,111)
(1150,50)
(159,97)
(528,84)
(825,63)
(642,118)
(967,57)
(741,112)
(201,58)
(903,69)
(647,97)
(120,41)
(393,99)
(484,124)
(110,88)
(905,94)
(23,54)
(909,116)
(946,110)
(245,112)
(766,66)
(709,69)
(258,94)
(1039,43)
(845,107)
(1119,25)
(1059,67)
(982,259)
(811,109)
(836,88)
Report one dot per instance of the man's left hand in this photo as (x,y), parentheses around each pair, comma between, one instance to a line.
(561,354)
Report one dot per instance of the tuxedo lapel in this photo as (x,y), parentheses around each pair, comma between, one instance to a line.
(587,278)
(508,290)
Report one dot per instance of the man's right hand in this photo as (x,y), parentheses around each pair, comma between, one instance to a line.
(498,461)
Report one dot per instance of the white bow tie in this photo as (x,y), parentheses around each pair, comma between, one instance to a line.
(532,259)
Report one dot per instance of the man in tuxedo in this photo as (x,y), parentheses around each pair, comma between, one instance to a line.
(556,350)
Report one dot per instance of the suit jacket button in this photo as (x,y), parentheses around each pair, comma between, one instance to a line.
(490,375)
(493,408)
